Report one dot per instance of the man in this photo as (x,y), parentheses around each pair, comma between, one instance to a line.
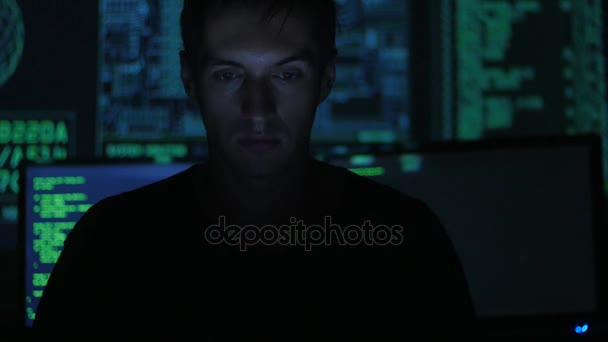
(233,247)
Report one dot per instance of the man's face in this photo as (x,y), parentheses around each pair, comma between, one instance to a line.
(258,90)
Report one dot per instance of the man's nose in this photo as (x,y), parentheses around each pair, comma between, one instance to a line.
(257,98)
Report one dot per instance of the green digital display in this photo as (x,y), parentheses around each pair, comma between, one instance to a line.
(56,205)
(31,140)
(521,68)
(368,171)
(28,136)
(528,67)
(12,39)
(160,152)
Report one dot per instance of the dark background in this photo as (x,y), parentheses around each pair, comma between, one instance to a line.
(61,67)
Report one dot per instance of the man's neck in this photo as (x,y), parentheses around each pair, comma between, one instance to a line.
(261,200)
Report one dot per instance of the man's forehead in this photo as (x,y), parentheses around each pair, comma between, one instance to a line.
(237,26)
(256,55)
(243,36)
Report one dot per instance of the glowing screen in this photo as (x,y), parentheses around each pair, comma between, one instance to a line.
(517,68)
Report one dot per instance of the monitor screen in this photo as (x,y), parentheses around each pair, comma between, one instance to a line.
(521,217)
(142,102)
(56,196)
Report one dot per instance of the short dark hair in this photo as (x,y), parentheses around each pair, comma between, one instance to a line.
(321,14)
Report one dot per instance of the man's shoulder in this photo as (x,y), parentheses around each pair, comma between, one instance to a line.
(365,193)
(148,200)
(364,199)
(138,212)
(166,190)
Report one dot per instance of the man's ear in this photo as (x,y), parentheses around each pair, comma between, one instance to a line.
(328,78)
(188,77)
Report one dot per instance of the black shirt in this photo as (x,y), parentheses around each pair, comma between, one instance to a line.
(140,263)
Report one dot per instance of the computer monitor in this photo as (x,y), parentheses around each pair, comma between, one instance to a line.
(54,197)
(370,98)
(524,216)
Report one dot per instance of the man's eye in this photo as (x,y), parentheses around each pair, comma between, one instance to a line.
(288,75)
(225,76)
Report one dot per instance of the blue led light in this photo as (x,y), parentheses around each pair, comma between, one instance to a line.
(581,329)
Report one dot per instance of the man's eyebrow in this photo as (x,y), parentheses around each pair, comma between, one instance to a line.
(209,60)
(305,55)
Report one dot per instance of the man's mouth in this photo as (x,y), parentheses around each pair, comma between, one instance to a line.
(259,144)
